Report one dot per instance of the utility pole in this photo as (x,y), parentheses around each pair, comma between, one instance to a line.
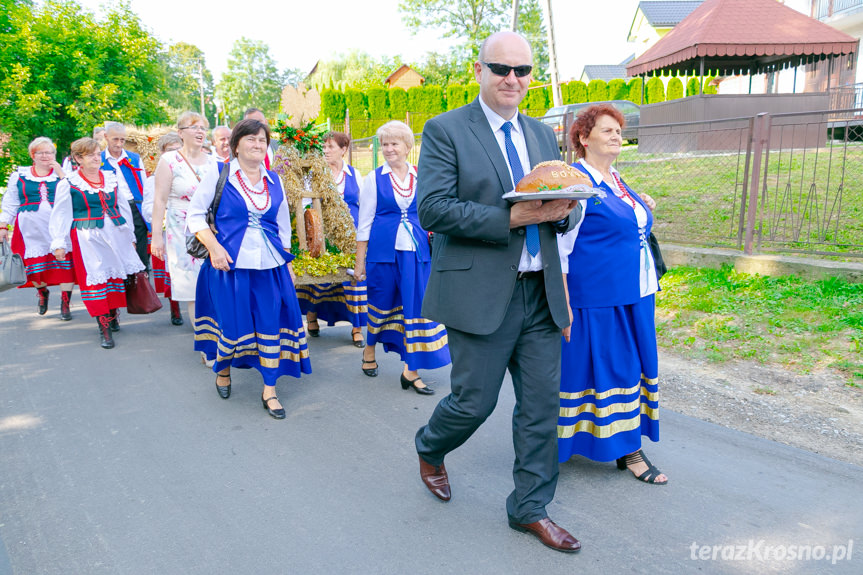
(201,84)
(515,15)
(552,55)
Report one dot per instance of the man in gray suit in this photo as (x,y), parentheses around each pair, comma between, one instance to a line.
(495,282)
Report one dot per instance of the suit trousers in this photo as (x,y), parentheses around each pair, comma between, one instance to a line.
(141,244)
(528,344)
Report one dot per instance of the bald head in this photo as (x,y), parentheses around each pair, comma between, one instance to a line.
(507,38)
(502,90)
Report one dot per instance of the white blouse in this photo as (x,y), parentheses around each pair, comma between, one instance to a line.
(33,226)
(369,205)
(256,251)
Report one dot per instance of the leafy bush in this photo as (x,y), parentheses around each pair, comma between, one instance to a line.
(333,105)
(617,89)
(692,86)
(537,98)
(355,101)
(472,91)
(456,96)
(574,92)
(635,91)
(655,90)
(378,106)
(597,91)
(398,103)
(708,87)
(675,89)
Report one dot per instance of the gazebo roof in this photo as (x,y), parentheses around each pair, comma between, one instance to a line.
(735,36)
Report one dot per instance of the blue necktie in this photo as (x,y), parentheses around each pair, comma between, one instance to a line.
(532,237)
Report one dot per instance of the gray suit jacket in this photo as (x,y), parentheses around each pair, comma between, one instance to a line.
(462,176)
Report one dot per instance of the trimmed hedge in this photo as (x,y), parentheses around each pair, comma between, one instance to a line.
(597,91)
(398,103)
(675,89)
(617,89)
(655,91)
(537,98)
(355,101)
(635,91)
(574,92)
(332,105)
(378,103)
(456,96)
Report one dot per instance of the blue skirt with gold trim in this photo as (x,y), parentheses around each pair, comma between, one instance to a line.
(395,292)
(335,302)
(609,394)
(251,319)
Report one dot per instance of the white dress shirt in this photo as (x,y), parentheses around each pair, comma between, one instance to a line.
(125,192)
(256,251)
(527,263)
(369,205)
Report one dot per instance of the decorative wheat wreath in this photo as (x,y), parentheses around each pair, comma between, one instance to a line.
(304,172)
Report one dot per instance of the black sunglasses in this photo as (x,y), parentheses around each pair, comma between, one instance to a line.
(504,70)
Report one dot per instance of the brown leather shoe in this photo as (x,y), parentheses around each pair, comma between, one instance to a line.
(435,478)
(551,534)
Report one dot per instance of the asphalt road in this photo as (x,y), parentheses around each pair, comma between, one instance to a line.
(127,462)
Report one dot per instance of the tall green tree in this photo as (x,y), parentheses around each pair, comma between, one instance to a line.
(63,71)
(470,21)
(251,79)
(356,69)
(187,73)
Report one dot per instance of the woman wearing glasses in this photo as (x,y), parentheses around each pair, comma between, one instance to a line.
(178,175)
(102,236)
(28,202)
(393,257)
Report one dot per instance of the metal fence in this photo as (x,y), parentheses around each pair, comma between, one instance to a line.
(786,183)
(783,183)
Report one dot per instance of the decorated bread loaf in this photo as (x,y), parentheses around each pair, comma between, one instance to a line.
(550,177)
(314,232)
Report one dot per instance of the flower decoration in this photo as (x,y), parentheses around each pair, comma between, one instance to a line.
(305,139)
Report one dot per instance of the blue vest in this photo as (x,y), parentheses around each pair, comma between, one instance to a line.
(89,210)
(604,264)
(352,194)
(29,196)
(232,218)
(134,178)
(388,217)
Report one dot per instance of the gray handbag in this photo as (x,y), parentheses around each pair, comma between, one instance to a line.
(12,272)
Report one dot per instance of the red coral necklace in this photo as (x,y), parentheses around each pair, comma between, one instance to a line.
(251,193)
(96,186)
(623,189)
(399,190)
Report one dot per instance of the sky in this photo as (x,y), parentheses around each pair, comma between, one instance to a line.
(301,32)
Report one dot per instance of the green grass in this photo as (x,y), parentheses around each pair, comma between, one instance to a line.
(722,315)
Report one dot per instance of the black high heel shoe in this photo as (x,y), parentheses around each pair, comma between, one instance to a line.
(224,390)
(648,476)
(408,383)
(314,332)
(274,413)
(372,371)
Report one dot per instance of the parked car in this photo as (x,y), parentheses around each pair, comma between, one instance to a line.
(631,114)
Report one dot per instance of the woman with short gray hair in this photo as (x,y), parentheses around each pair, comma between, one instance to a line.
(28,203)
(393,256)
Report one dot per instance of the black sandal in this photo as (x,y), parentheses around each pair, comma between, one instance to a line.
(648,476)
(373,371)
(361,343)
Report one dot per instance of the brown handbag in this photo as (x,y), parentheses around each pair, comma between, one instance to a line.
(141,298)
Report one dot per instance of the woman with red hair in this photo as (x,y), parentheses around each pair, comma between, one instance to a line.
(609,397)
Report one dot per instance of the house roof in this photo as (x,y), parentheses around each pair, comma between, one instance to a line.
(604,71)
(401,71)
(663,13)
(743,36)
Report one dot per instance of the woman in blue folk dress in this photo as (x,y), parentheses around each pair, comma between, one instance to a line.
(609,396)
(393,257)
(346,301)
(247,313)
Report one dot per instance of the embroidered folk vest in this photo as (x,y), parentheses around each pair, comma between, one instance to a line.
(30,193)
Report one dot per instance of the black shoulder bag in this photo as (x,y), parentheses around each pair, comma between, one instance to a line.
(194,247)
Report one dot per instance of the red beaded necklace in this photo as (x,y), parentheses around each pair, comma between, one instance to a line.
(340,180)
(35,175)
(623,189)
(398,189)
(98,187)
(251,193)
